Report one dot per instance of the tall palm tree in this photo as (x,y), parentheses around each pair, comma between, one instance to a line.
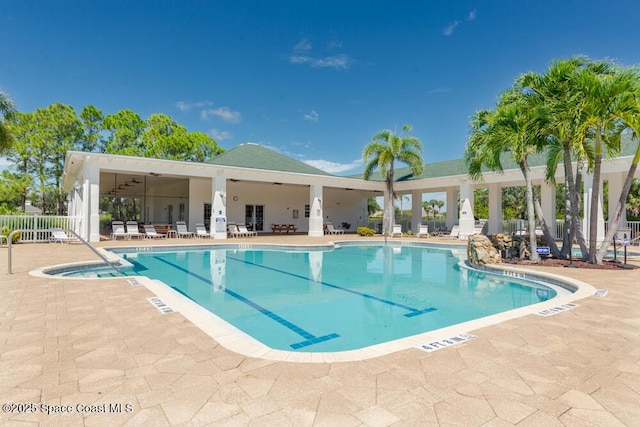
(557,90)
(609,98)
(632,120)
(7,111)
(515,126)
(384,150)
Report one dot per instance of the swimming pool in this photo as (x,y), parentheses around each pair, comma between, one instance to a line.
(344,298)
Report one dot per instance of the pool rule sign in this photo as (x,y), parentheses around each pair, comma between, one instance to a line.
(543,250)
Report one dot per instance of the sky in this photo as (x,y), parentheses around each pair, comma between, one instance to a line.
(314,80)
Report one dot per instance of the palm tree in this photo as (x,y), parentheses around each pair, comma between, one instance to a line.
(515,126)
(7,110)
(557,90)
(609,98)
(384,150)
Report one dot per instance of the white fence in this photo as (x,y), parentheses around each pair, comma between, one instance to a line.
(37,222)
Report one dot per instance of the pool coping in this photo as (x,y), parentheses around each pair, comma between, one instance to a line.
(238,341)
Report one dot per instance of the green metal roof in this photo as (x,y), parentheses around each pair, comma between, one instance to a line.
(459,167)
(254,156)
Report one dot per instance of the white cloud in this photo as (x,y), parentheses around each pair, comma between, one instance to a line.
(339,62)
(438,90)
(472,15)
(334,44)
(313,116)
(186,106)
(449,28)
(303,44)
(219,135)
(333,167)
(225,113)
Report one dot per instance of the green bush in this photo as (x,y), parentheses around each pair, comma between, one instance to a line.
(365,231)
(5,231)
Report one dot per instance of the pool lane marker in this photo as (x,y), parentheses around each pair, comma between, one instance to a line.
(412,311)
(310,339)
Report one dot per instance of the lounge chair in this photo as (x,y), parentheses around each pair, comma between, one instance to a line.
(58,235)
(133,231)
(423,231)
(243,231)
(182,231)
(151,233)
(330,229)
(454,234)
(397,231)
(201,231)
(232,229)
(117,230)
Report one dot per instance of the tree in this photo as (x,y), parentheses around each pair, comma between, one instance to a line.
(372,206)
(557,90)
(610,98)
(125,129)
(92,124)
(384,150)
(7,112)
(515,127)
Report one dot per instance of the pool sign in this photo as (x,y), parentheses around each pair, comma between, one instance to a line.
(437,345)
(543,250)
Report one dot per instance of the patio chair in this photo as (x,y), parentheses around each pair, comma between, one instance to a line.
(151,233)
(201,231)
(58,235)
(397,230)
(454,234)
(133,231)
(423,231)
(330,229)
(232,229)
(117,230)
(182,231)
(243,231)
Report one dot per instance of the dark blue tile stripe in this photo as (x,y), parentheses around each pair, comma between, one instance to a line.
(309,337)
(413,311)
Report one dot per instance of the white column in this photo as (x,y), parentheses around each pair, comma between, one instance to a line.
(452,207)
(416,210)
(616,182)
(495,209)
(548,202)
(467,221)
(315,212)
(219,208)
(588,190)
(91,201)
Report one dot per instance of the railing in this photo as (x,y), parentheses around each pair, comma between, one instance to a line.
(80,239)
(34,228)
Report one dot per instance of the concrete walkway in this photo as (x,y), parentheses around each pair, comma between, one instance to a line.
(95,353)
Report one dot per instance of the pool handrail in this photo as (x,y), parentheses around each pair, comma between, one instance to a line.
(101,256)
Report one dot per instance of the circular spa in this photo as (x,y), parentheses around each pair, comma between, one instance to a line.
(336,298)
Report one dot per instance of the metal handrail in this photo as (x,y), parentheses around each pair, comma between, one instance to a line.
(102,257)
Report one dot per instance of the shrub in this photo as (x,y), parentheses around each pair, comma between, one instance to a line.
(5,231)
(365,231)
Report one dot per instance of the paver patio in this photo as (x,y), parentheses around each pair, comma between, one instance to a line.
(99,343)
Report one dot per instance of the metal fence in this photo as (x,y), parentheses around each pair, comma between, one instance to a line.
(36,225)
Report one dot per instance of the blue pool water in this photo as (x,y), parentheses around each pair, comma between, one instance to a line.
(334,300)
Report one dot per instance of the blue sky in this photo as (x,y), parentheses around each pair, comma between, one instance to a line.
(314,80)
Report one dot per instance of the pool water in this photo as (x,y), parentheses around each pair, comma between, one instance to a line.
(334,300)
